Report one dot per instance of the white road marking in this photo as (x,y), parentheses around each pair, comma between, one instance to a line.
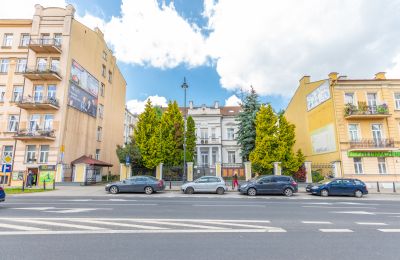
(180,224)
(316,222)
(19,227)
(99,222)
(37,208)
(372,223)
(390,230)
(338,207)
(336,230)
(355,212)
(317,203)
(224,205)
(49,223)
(235,224)
(73,210)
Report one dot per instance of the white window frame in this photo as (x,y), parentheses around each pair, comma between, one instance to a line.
(44,154)
(17,95)
(380,129)
(397,100)
(51,94)
(358,166)
(21,65)
(97,154)
(382,168)
(5,153)
(30,155)
(24,42)
(2,93)
(4,64)
(48,122)
(99,133)
(354,98)
(38,95)
(101,111)
(350,132)
(34,122)
(13,123)
(8,40)
(230,133)
(41,64)
(231,156)
(57,39)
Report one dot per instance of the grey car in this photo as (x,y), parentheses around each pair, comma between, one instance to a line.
(146,184)
(205,184)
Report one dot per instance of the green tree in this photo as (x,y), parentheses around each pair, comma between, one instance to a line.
(147,135)
(130,149)
(246,134)
(190,139)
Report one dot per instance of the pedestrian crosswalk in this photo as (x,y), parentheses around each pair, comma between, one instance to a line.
(53,226)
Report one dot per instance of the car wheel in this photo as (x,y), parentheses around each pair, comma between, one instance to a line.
(251,192)
(189,190)
(220,191)
(148,190)
(358,194)
(288,192)
(324,193)
(114,190)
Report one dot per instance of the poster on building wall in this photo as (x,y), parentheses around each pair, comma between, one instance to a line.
(318,96)
(323,140)
(84,79)
(81,100)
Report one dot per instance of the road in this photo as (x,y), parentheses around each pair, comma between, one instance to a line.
(168,226)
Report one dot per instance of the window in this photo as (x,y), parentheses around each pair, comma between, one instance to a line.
(41,64)
(101,110)
(103,70)
(204,134)
(4,65)
(99,130)
(8,39)
(382,165)
(34,123)
(8,151)
(51,92)
(110,76)
(349,98)
(30,154)
(17,94)
(55,64)
(13,123)
(57,39)
(102,88)
(214,157)
(97,157)
(377,132)
(21,65)
(105,55)
(44,153)
(213,133)
(45,38)
(25,38)
(48,122)
(372,103)
(38,93)
(353,132)
(2,93)
(358,169)
(231,157)
(397,100)
(204,158)
(231,133)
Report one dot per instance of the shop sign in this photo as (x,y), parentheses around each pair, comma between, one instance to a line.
(373,154)
(47,167)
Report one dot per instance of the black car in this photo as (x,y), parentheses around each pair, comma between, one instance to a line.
(146,184)
(270,185)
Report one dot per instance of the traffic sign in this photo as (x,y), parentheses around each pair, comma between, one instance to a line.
(6,167)
(7,159)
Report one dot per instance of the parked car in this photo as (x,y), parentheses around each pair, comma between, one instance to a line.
(349,187)
(270,185)
(2,195)
(146,184)
(309,186)
(205,184)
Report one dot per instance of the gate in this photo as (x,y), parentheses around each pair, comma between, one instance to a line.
(203,170)
(93,175)
(142,171)
(231,169)
(172,173)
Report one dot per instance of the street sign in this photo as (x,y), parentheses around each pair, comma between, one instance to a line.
(6,167)
(7,159)
(127,160)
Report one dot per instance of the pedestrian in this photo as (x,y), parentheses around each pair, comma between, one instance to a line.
(235,182)
(29,179)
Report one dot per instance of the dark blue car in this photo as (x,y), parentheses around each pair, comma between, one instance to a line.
(2,195)
(269,185)
(340,187)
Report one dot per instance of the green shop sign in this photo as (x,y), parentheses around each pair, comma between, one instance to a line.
(374,154)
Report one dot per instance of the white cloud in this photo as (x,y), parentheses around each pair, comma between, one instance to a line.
(24,9)
(136,106)
(233,101)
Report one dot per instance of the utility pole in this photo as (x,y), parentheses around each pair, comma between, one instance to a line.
(184,86)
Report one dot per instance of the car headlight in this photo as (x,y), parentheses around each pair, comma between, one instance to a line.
(243,186)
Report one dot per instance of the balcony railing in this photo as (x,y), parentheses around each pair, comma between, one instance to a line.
(373,144)
(365,111)
(211,140)
(45,45)
(43,73)
(37,134)
(48,103)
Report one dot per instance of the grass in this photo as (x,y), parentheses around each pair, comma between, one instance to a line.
(27,190)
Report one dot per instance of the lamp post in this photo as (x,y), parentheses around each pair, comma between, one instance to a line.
(184,86)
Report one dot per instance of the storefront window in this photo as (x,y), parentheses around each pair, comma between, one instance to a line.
(358,168)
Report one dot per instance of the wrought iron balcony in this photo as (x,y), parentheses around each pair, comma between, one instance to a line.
(37,134)
(49,103)
(43,73)
(373,144)
(45,45)
(362,111)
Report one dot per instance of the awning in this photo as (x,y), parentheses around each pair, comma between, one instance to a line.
(90,161)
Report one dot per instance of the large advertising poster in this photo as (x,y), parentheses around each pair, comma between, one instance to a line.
(323,139)
(318,96)
(81,100)
(83,79)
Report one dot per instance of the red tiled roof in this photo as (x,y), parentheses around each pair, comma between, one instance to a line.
(87,160)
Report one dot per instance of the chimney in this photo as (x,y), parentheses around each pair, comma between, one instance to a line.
(380,75)
(191,104)
(333,76)
(216,104)
(304,80)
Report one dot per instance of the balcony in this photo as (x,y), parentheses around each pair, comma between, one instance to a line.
(208,141)
(41,73)
(39,135)
(45,45)
(365,112)
(373,145)
(39,104)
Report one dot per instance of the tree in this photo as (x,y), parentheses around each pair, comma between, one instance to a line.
(131,149)
(147,135)
(190,139)
(246,134)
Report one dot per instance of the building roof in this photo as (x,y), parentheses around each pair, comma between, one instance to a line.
(88,160)
(231,110)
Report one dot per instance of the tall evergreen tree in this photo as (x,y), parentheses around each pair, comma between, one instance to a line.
(147,135)
(190,139)
(246,134)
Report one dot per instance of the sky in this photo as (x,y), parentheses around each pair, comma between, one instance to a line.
(223,47)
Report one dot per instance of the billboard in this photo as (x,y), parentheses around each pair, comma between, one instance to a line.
(84,79)
(318,96)
(82,100)
(323,139)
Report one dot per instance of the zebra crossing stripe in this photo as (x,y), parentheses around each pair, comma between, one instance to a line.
(337,230)
(99,222)
(51,223)
(19,227)
(181,224)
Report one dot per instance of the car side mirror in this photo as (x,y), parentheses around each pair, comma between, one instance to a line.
(260,182)
(124,181)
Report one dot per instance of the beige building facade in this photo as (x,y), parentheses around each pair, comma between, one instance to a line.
(349,127)
(62,96)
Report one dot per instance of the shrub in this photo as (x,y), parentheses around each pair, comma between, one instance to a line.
(317,177)
(300,175)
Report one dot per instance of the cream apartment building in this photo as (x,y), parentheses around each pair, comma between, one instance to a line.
(62,97)
(130,121)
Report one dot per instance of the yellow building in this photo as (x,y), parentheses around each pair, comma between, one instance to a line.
(349,127)
(62,96)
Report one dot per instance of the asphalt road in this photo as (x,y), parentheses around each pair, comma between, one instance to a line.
(198,227)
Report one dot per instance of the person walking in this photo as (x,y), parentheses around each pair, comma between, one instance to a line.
(235,182)
(29,179)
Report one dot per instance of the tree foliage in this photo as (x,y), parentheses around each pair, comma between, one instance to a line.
(130,149)
(190,139)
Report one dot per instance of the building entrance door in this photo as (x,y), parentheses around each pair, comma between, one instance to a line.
(35,177)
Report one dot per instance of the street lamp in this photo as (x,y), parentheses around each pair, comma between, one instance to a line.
(184,86)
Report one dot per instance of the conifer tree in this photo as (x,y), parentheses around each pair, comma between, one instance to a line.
(190,139)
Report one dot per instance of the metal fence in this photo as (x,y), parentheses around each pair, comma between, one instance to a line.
(143,171)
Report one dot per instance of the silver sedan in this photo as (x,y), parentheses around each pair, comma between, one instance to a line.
(205,184)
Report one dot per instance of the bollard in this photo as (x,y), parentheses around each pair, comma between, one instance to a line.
(54,184)
(377,187)
(23,186)
(44,185)
(394,187)
(170,185)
